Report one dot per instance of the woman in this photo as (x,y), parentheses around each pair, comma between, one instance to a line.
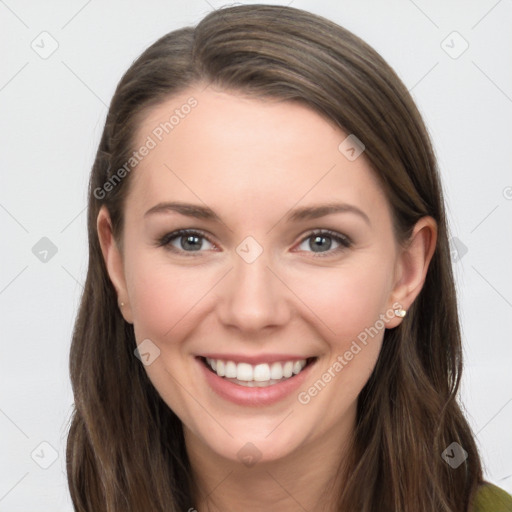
(269,320)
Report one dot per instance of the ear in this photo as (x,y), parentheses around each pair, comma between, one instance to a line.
(412,265)
(113,261)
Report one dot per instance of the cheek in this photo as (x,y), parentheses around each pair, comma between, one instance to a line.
(345,300)
(350,305)
(163,297)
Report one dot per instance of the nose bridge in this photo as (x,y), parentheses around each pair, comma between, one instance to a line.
(252,296)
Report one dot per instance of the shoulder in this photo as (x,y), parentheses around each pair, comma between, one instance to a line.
(491,498)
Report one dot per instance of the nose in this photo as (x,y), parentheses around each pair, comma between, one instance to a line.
(253,298)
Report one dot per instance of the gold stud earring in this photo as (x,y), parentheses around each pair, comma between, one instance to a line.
(400,312)
(122,304)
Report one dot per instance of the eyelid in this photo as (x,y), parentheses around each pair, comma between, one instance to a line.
(164,241)
(344,241)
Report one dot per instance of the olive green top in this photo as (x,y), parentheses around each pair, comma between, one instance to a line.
(491,498)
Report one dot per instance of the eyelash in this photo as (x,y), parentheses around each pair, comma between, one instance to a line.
(344,241)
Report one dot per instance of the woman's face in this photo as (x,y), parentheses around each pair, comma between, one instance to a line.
(266,275)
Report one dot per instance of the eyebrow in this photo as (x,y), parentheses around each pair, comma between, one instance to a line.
(188,209)
(298,214)
(317,211)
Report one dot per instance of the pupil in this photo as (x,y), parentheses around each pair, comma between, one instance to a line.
(319,240)
(190,242)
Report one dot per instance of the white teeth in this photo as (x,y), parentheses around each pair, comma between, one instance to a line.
(244,371)
(261,372)
(288,369)
(276,371)
(230,370)
(221,372)
(256,375)
(254,384)
(297,367)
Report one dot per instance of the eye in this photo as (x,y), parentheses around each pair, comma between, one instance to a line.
(185,240)
(192,241)
(323,241)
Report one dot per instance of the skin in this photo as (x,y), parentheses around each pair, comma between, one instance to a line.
(251,161)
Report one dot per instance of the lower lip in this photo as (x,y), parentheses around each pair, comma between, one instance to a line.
(246,396)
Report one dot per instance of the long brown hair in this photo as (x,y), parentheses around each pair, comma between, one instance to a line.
(126,449)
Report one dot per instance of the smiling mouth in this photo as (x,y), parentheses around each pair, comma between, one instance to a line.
(259,375)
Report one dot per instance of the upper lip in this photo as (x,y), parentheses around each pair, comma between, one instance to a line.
(255,359)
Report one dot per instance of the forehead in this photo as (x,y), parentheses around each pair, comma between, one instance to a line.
(226,149)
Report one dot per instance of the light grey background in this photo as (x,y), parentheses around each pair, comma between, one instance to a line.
(52,113)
